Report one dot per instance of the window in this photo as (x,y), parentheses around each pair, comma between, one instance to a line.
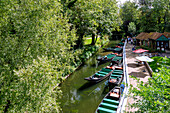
(166,45)
(157,43)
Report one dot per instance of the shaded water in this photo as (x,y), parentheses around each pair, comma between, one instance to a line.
(80,96)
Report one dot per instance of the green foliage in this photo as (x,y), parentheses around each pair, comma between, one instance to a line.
(31,89)
(159,62)
(153,96)
(94,17)
(36,50)
(154,15)
(148,15)
(88,51)
(132,27)
(128,14)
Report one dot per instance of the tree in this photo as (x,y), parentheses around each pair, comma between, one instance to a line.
(153,96)
(36,51)
(129,13)
(132,27)
(91,17)
(154,15)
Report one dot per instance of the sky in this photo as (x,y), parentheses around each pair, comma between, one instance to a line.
(123,1)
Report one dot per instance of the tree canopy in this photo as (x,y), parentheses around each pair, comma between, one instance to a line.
(148,15)
(94,17)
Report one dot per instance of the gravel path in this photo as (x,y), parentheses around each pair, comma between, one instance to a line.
(135,70)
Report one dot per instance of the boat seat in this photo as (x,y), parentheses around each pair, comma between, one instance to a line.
(119,73)
(115,59)
(101,75)
(106,70)
(113,75)
(117,49)
(110,56)
(101,72)
(105,110)
(109,106)
(110,101)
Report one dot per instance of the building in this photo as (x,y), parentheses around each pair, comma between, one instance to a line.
(167,34)
(154,40)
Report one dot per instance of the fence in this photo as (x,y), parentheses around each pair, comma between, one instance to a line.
(123,101)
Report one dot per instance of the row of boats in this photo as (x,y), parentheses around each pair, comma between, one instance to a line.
(114,73)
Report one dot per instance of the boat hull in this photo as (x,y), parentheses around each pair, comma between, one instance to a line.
(98,79)
(109,103)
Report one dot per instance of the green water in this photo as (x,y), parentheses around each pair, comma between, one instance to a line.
(79,96)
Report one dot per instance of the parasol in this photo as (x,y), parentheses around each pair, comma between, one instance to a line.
(144,58)
(140,51)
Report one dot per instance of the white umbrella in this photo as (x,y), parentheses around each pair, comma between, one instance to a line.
(144,58)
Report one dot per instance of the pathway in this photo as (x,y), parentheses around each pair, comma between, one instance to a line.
(135,70)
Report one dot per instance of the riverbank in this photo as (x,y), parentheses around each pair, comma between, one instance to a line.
(106,43)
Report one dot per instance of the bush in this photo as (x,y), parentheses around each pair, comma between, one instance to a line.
(88,51)
(159,62)
(153,96)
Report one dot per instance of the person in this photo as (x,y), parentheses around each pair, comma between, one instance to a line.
(134,48)
(122,87)
(135,41)
(131,40)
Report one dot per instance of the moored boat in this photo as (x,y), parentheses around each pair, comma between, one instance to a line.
(117,60)
(100,75)
(106,58)
(119,50)
(116,77)
(121,44)
(110,102)
(112,48)
(109,49)
(115,80)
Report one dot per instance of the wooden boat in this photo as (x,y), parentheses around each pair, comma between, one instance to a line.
(109,49)
(121,44)
(115,67)
(112,48)
(106,58)
(119,50)
(115,79)
(100,75)
(110,102)
(117,60)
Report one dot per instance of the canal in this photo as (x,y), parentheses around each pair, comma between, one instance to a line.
(79,96)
